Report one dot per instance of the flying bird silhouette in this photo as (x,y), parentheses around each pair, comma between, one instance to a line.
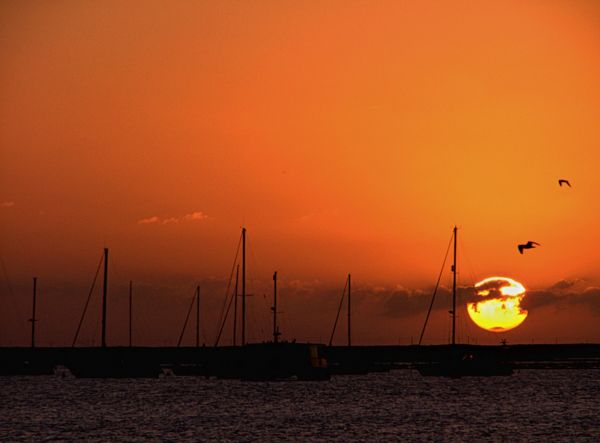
(562,181)
(529,245)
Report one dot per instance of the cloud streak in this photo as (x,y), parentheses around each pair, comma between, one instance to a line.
(193,216)
(565,294)
(7,204)
(149,220)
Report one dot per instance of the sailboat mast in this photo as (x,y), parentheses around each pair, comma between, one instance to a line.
(130,312)
(104,291)
(197,316)
(243,286)
(349,310)
(454,291)
(237,273)
(33,319)
(275,331)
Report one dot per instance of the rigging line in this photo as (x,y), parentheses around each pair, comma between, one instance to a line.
(87,302)
(223,316)
(187,317)
(233,295)
(338,313)
(436,288)
(203,331)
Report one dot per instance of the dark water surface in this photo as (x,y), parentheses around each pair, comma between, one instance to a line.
(532,405)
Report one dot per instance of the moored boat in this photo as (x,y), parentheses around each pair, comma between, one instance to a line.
(459,362)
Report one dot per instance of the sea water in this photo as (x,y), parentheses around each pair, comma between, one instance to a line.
(531,405)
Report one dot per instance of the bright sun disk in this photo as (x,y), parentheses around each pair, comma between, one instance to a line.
(500,309)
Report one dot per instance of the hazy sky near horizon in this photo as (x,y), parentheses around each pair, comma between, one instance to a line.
(346,136)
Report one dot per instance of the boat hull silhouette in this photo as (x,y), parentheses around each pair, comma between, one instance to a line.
(272,362)
(460,363)
(113,363)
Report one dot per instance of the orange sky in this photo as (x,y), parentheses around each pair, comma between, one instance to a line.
(347,137)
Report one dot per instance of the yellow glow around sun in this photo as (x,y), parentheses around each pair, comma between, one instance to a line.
(500,308)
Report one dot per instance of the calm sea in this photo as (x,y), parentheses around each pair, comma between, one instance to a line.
(532,405)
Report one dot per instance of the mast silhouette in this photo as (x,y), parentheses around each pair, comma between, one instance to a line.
(33,319)
(104,291)
(276,332)
(197,316)
(243,286)
(130,311)
(454,291)
(237,272)
(349,312)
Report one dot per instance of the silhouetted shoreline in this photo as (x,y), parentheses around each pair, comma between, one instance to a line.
(224,362)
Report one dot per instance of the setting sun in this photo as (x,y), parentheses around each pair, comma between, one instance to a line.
(500,309)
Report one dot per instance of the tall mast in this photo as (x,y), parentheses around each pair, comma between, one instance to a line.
(454,291)
(104,290)
(130,311)
(274,308)
(235,303)
(33,319)
(349,311)
(243,286)
(197,316)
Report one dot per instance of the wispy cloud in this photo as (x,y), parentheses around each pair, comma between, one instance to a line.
(7,204)
(198,215)
(193,216)
(146,221)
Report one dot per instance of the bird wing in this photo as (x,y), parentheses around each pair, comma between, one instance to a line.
(534,243)
(520,248)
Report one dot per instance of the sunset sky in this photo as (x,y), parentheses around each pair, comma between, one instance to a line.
(348,137)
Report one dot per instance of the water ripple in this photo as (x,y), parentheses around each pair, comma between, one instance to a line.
(532,405)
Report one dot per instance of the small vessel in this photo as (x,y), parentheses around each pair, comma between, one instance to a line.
(114,362)
(274,360)
(191,365)
(282,360)
(107,362)
(24,361)
(347,361)
(462,360)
